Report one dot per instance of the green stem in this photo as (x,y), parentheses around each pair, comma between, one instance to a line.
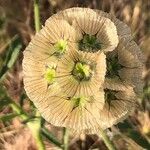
(7,117)
(19,111)
(37,16)
(106,140)
(39,141)
(16,108)
(65,139)
(37,134)
(33,125)
(51,137)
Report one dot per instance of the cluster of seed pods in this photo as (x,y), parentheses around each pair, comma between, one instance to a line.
(82,70)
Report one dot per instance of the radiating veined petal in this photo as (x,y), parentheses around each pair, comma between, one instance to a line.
(67,79)
(129,54)
(134,77)
(116,84)
(61,29)
(118,104)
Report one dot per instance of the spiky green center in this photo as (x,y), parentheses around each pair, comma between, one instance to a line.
(79,101)
(82,71)
(50,75)
(89,43)
(60,47)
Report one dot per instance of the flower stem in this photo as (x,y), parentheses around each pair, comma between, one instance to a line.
(51,137)
(34,125)
(18,110)
(39,142)
(106,140)
(36,16)
(65,138)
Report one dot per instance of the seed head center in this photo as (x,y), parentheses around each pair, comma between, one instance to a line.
(89,43)
(50,75)
(82,71)
(60,47)
(79,101)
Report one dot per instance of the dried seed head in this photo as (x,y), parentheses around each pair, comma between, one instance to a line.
(81,73)
(83,70)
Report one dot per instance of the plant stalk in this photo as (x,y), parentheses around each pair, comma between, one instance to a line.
(51,137)
(106,140)
(16,108)
(65,138)
(37,16)
(37,123)
(33,125)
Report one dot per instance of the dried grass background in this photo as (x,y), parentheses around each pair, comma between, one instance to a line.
(16,19)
